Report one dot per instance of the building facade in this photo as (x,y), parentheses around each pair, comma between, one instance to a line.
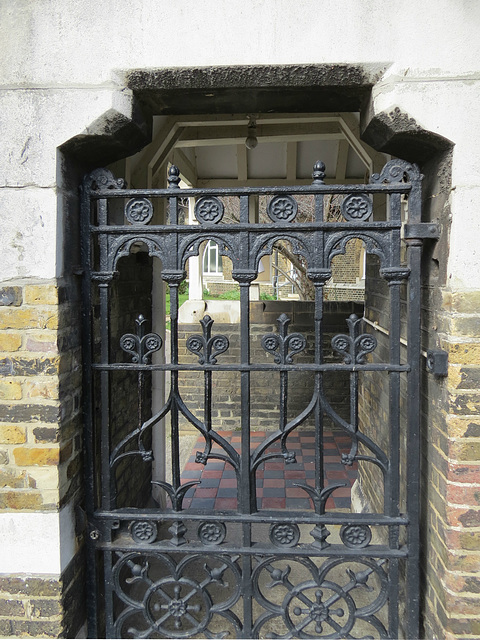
(87,84)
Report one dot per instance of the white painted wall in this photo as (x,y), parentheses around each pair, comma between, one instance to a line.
(63,66)
(37,543)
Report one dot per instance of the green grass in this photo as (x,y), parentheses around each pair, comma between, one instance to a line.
(182,297)
(233,294)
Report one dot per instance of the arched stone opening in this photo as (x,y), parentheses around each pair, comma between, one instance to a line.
(286,89)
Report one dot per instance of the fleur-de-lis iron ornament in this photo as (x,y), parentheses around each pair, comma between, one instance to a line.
(283,345)
(354,347)
(207,347)
(140,346)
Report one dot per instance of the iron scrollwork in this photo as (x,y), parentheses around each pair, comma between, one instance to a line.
(174,599)
(321,604)
(354,347)
(283,345)
(191,584)
(206,346)
(140,346)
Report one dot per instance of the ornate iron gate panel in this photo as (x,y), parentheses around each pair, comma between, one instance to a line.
(175,572)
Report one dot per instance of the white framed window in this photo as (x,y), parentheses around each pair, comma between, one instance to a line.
(212,260)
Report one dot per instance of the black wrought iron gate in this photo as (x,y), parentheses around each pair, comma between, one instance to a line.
(246,573)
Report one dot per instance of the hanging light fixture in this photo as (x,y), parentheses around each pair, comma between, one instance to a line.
(251,139)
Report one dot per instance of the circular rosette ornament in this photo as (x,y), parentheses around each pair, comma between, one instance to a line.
(209,210)
(143,531)
(139,211)
(282,209)
(177,607)
(357,207)
(313,610)
(284,534)
(355,536)
(212,533)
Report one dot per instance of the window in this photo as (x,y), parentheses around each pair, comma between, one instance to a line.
(212,260)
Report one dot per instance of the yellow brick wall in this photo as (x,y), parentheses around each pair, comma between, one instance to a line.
(39,394)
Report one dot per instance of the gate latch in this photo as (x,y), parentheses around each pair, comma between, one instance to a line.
(437,363)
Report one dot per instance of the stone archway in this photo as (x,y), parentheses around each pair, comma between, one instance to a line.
(339,88)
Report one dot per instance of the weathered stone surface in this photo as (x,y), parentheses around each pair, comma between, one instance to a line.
(29,585)
(25,456)
(29,413)
(46,434)
(14,480)
(12,434)
(10,296)
(47,389)
(28,318)
(11,608)
(41,342)
(6,628)
(10,341)
(10,390)
(24,366)
(465,449)
(470,518)
(41,294)
(463,352)
(45,608)
(20,499)
(38,629)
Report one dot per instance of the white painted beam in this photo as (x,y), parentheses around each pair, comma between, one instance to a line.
(342,158)
(187,170)
(242,162)
(292,149)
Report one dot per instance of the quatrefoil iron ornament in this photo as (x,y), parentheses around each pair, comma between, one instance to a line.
(282,209)
(209,210)
(357,207)
(139,211)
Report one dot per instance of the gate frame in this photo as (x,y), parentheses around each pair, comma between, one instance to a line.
(100,186)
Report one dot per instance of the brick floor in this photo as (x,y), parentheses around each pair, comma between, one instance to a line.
(275,481)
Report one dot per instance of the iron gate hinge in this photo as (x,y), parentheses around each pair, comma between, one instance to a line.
(422,231)
(437,362)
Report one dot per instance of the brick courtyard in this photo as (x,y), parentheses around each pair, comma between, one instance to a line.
(275,480)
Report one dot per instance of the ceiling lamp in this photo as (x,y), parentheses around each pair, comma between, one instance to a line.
(251,139)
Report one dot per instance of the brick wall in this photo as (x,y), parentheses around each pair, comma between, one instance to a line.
(452,466)
(450,429)
(265,385)
(131,295)
(40,442)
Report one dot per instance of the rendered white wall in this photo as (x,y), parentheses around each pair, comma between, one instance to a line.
(63,66)
(37,543)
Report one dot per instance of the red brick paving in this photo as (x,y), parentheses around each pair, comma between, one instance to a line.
(273,475)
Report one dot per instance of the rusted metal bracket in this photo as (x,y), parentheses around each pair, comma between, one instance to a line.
(437,363)
(422,231)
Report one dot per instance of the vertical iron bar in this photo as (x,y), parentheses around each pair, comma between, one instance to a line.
(109,590)
(107,480)
(174,382)
(392,483)
(88,437)
(246,490)
(319,448)
(414,249)
(318,323)
(413,439)
(247,493)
